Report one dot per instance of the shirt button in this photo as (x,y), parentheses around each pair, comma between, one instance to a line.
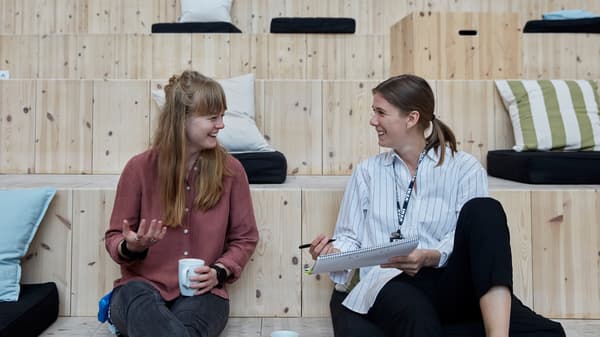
(188,188)
(185,253)
(187,209)
(195,168)
(185,231)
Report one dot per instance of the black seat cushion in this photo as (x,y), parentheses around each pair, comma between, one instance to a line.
(541,167)
(195,27)
(589,25)
(263,167)
(36,310)
(313,25)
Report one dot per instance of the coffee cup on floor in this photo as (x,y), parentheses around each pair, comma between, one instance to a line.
(186,269)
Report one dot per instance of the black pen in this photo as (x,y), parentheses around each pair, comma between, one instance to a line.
(306,245)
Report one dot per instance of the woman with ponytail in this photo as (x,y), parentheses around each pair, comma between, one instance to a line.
(185,197)
(458,281)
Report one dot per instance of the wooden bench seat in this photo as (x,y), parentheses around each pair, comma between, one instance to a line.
(554,237)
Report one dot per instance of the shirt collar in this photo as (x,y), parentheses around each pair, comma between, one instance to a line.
(391,155)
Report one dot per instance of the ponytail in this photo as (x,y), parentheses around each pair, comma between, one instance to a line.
(441,135)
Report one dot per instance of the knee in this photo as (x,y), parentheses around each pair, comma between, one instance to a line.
(486,207)
(136,290)
(483,214)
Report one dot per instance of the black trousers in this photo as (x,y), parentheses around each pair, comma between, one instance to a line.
(445,301)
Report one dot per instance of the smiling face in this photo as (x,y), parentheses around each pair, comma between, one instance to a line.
(389,122)
(201,131)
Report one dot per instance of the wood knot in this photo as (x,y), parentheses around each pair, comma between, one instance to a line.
(558,219)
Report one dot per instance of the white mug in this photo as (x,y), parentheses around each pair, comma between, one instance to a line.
(284,333)
(186,269)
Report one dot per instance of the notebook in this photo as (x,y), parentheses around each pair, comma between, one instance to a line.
(363,257)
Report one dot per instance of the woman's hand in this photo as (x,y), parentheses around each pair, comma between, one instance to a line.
(321,246)
(416,260)
(204,279)
(146,236)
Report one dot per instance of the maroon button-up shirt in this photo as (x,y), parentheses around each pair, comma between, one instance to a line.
(225,234)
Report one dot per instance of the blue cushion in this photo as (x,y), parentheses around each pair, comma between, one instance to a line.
(568,14)
(21,212)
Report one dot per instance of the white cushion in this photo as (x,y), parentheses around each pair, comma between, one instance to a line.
(552,114)
(239,91)
(240,133)
(205,11)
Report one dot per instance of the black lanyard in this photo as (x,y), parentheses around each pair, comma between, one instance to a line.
(397,235)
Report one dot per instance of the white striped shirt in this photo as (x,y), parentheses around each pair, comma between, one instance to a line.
(368,213)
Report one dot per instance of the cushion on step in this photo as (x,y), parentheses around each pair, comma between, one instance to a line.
(34,311)
(545,167)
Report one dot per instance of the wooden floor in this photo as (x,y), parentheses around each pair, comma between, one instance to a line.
(262,327)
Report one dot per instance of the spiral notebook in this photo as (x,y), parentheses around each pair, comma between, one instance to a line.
(363,257)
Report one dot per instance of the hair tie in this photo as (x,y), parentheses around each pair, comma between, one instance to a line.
(432,117)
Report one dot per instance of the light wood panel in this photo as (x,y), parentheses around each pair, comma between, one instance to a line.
(121,123)
(17,126)
(171,54)
(270,283)
(251,16)
(517,206)
(146,56)
(324,56)
(364,57)
(347,136)
(132,59)
(468,108)
(211,54)
(8,16)
(319,214)
(166,10)
(587,55)
(96,56)
(36,16)
(566,241)
(19,55)
(295,126)
(287,56)
(60,56)
(93,269)
(63,127)
(549,56)
(438,51)
(50,255)
(70,16)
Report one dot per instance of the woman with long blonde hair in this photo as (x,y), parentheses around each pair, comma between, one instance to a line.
(185,197)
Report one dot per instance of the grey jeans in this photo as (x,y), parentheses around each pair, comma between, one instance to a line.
(137,310)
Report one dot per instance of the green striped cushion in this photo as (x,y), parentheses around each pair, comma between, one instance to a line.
(552,114)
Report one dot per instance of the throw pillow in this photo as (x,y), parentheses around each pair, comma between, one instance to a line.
(552,114)
(22,212)
(240,133)
(205,11)
(239,92)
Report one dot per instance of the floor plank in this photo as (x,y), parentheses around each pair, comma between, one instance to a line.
(307,326)
(263,327)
